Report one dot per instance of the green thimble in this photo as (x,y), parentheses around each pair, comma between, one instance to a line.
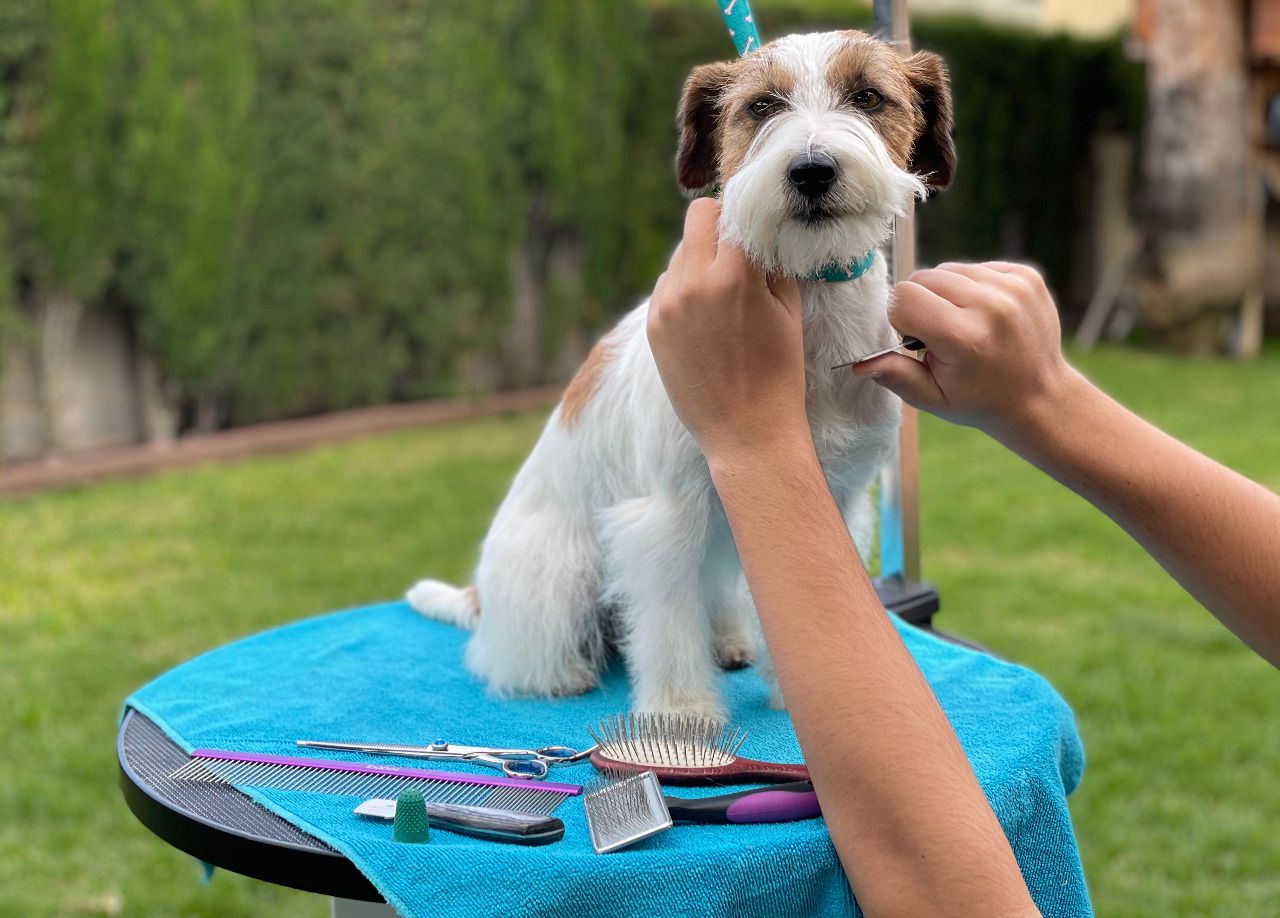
(411,818)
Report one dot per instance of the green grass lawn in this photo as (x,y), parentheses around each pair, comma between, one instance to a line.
(105,587)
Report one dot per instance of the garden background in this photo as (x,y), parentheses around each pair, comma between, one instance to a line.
(292,207)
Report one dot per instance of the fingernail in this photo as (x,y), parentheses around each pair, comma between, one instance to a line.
(876,375)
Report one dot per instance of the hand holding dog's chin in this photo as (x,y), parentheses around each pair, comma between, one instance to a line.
(728,344)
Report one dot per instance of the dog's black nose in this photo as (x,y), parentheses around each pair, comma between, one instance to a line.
(812,174)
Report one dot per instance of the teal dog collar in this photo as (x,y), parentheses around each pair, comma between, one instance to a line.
(835,272)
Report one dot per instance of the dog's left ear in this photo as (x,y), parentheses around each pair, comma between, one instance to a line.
(699,120)
(934,156)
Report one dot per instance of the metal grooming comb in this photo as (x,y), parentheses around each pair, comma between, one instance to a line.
(496,808)
(331,776)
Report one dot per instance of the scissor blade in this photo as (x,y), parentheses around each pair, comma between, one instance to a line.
(866,357)
(909,343)
(379,749)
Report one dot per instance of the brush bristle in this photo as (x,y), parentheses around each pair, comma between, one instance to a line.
(668,740)
(621,810)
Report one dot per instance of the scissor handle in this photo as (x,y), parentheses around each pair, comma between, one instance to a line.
(532,769)
(564,755)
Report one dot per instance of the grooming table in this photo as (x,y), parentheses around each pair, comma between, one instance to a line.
(383,673)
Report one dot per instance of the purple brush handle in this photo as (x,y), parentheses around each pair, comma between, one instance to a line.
(781,803)
(222,755)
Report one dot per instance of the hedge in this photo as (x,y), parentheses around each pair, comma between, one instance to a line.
(311,204)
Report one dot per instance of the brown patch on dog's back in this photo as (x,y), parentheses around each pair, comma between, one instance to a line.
(585,382)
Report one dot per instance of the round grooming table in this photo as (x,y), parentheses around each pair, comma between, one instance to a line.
(385,674)
(222,826)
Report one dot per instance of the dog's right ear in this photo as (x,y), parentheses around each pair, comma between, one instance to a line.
(697,162)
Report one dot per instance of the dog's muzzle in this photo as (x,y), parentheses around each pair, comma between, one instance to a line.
(812,175)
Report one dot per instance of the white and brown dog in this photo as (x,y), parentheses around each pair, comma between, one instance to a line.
(817,142)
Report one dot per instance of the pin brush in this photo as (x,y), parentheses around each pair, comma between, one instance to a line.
(683,749)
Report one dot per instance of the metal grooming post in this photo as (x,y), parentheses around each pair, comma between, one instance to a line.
(899,583)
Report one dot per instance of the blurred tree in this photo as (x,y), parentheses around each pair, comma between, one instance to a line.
(72,213)
(1203,197)
(18,37)
(184,184)
(303,205)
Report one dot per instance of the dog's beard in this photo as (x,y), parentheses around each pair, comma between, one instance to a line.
(780,230)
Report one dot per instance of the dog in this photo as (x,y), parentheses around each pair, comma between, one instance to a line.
(612,530)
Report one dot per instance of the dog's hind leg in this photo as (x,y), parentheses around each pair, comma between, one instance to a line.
(539,630)
(654,549)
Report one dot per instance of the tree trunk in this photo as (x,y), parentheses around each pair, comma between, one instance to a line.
(157,408)
(1203,198)
(522,340)
(59,323)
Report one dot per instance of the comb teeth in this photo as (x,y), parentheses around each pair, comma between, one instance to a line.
(668,740)
(323,778)
(623,810)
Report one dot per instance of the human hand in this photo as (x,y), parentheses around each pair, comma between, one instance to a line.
(994,358)
(728,344)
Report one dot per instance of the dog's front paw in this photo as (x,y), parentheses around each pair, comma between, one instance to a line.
(735,651)
(577,682)
(687,703)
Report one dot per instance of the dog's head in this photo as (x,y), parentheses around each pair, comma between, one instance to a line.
(817,141)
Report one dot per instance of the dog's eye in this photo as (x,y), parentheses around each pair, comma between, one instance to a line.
(764,107)
(867,100)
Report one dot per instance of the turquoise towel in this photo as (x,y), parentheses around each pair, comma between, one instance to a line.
(385,674)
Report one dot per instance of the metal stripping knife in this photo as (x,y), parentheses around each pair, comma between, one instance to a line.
(907,342)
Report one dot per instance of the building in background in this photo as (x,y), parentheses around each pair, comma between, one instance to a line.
(1079,17)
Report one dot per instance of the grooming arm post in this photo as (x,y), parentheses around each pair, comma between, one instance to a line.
(899,582)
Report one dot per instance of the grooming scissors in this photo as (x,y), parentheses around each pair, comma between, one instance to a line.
(907,343)
(514,763)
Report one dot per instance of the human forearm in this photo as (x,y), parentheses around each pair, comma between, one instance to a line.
(909,821)
(907,816)
(1214,531)
(995,362)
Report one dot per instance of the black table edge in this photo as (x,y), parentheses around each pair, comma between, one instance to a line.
(315,870)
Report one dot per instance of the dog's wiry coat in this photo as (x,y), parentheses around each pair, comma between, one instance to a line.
(614,510)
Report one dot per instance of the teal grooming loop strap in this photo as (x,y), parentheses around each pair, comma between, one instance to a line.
(742,25)
(899,560)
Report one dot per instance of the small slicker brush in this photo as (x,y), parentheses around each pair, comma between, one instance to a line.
(682,749)
(624,808)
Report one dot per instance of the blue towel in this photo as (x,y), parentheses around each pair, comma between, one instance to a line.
(385,674)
